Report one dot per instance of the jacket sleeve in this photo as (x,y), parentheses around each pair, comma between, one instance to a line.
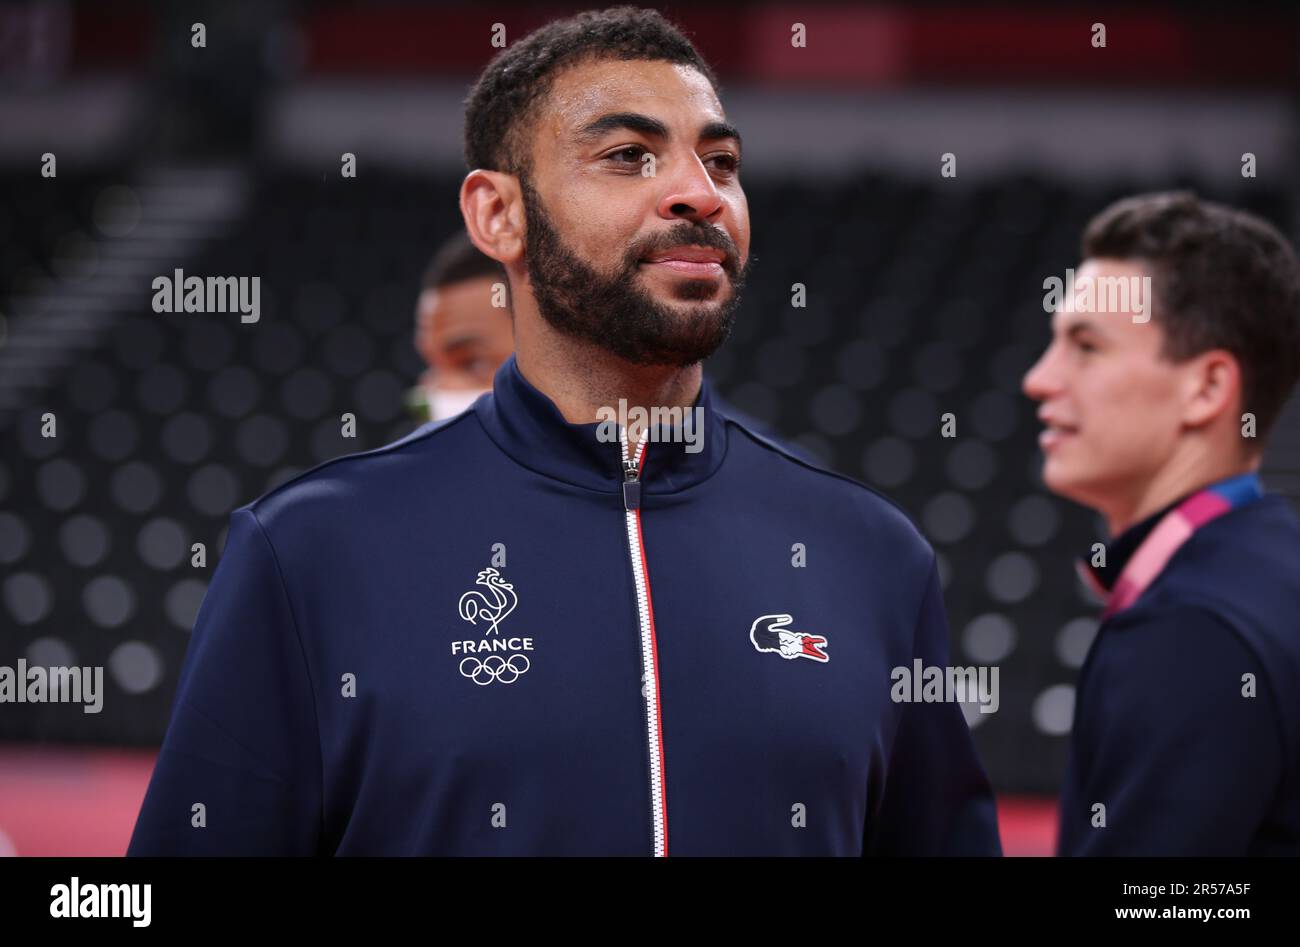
(1165,739)
(936,798)
(239,772)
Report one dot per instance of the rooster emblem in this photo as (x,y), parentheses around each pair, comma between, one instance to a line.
(502,601)
(769,633)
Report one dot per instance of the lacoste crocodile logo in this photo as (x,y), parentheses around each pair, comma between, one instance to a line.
(771,633)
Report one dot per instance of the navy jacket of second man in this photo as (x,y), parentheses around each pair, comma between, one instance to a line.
(493,637)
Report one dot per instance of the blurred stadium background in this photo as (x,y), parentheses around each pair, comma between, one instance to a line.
(924,297)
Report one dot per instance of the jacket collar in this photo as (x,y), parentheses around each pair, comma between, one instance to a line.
(1121,548)
(1237,490)
(528,427)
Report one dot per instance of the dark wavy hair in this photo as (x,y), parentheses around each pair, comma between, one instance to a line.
(502,105)
(1221,278)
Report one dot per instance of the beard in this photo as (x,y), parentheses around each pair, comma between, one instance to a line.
(613,310)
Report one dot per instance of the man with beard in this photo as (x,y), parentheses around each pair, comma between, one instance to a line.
(527,630)
(464,332)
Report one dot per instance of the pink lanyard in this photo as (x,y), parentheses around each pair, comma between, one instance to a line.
(1174,529)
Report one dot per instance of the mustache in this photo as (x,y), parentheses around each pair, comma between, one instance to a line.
(686,234)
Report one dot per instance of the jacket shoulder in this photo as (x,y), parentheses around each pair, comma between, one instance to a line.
(344,478)
(881,513)
(1248,557)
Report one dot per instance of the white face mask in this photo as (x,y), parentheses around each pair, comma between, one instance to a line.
(448,404)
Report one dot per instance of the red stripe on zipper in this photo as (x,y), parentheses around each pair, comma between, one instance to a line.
(654,652)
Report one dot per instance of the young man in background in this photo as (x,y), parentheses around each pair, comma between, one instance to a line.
(1186,737)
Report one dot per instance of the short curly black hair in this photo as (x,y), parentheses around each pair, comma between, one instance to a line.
(502,104)
(1222,278)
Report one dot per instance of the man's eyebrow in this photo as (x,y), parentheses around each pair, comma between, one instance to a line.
(637,122)
(1082,326)
(721,130)
(462,342)
(633,121)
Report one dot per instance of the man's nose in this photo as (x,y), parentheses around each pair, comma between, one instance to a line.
(690,193)
(1042,380)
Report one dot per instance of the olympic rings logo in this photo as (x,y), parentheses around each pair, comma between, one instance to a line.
(485,672)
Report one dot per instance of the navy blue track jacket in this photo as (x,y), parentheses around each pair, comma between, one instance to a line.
(490,638)
(1186,759)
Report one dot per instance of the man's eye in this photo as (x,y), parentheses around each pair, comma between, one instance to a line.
(730,162)
(632,153)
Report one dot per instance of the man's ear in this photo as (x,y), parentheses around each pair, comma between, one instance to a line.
(492,207)
(1213,387)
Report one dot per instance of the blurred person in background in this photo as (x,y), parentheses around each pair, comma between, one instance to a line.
(1186,737)
(461,332)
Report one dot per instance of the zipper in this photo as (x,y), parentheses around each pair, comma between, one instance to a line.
(632,466)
